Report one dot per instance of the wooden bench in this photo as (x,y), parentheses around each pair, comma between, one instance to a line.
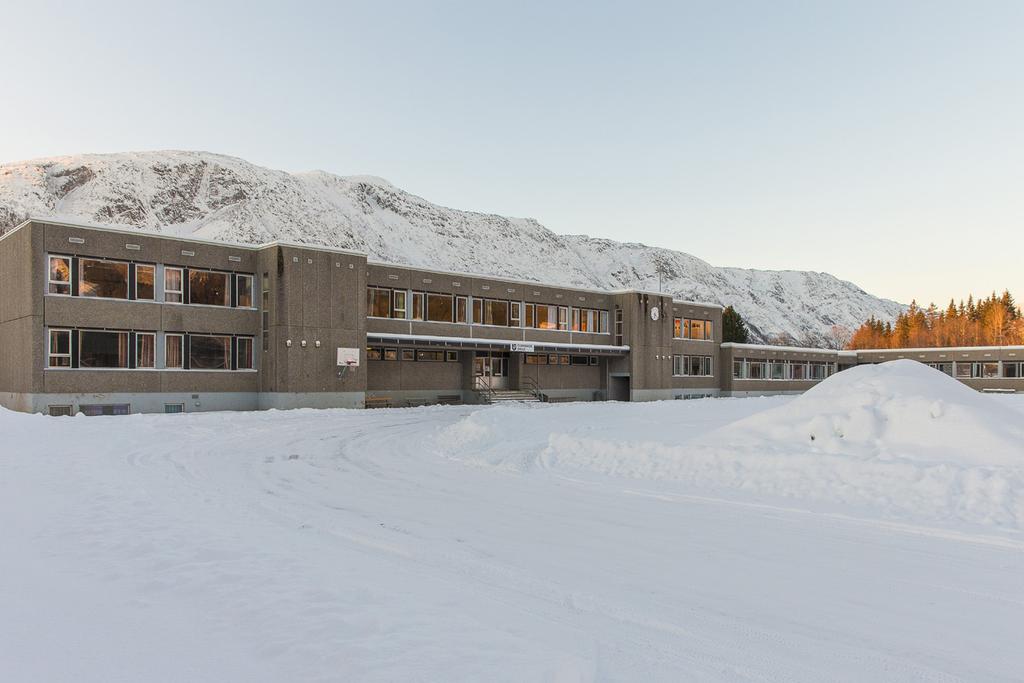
(378,402)
(450,400)
(560,399)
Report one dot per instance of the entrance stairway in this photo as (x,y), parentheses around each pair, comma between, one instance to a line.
(509,396)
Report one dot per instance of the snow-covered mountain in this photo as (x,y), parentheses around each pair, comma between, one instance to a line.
(218,197)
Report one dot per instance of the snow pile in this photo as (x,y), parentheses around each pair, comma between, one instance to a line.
(900,439)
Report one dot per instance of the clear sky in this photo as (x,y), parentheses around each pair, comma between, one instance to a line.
(880,141)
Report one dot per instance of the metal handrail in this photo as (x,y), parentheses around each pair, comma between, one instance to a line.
(482,385)
(531,385)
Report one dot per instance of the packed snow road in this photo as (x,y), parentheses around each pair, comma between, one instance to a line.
(460,543)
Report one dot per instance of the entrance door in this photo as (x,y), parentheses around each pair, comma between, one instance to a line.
(618,388)
(491,368)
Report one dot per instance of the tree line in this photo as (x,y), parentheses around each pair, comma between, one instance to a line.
(993,321)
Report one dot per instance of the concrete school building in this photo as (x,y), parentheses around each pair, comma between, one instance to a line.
(111,321)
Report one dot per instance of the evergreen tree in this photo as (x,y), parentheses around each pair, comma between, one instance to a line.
(733,327)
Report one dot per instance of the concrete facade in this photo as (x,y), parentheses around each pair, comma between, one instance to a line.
(74,297)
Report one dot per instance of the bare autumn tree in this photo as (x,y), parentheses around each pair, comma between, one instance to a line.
(839,337)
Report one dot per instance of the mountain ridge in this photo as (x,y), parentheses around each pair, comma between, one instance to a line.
(225,198)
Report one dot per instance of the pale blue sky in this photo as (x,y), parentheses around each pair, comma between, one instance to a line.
(879,141)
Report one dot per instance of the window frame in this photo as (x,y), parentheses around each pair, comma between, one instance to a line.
(227,287)
(127,278)
(237,363)
(50,282)
(181,349)
(81,348)
(49,348)
(135,293)
(138,341)
(180,291)
(238,290)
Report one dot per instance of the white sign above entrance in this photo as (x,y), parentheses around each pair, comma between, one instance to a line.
(525,348)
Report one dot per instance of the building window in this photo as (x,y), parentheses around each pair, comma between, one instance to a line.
(374,353)
(1009,370)
(580,360)
(266,311)
(103,279)
(391,354)
(408,354)
(478,311)
(422,355)
(398,309)
(547,317)
(208,288)
(798,371)
(515,314)
(145,350)
(777,369)
(989,370)
(59,411)
(737,368)
(563,318)
(418,300)
(677,328)
(963,370)
(593,360)
(243,354)
(451,356)
(378,302)
(60,349)
(244,285)
(100,349)
(145,276)
(440,308)
(174,408)
(172,285)
(589,320)
(461,309)
(536,359)
(756,369)
(530,314)
(209,352)
(105,409)
(173,351)
(60,275)
(495,312)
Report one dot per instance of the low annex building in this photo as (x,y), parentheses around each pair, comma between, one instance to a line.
(111,321)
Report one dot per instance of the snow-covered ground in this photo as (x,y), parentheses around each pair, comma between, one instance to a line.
(684,540)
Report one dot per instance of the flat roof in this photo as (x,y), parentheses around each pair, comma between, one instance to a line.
(793,349)
(323,247)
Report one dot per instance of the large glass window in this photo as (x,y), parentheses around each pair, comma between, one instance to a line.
(461,309)
(440,308)
(798,371)
(737,368)
(105,279)
(245,359)
(514,314)
(677,365)
(547,317)
(963,370)
(173,285)
(208,288)
(989,370)
(60,349)
(145,350)
(677,328)
(778,369)
(173,355)
(378,302)
(60,275)
(495,312)
(244,285)
(209,352)
(563,318)
(1011,370)
(145,276)
(756,369)
(100,349)
(586,320)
